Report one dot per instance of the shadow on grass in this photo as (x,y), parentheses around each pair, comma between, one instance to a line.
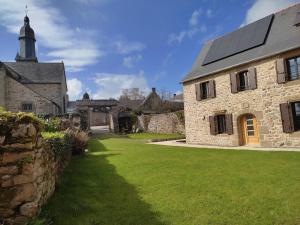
(92,193)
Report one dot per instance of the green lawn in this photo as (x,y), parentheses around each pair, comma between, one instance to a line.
(155,136)
(123,181)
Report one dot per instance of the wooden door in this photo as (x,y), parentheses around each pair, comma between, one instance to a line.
(250,131)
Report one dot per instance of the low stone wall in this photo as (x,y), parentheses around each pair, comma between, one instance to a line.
(28,171)
(162,123)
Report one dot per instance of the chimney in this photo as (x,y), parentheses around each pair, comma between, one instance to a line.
(153,90)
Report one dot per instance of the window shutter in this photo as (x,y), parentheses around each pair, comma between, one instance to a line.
(233,82)
(198,93)
(252,78)
(281,71)
(287,118)
(229,124)
(297,19)
(213,125)
(212,89)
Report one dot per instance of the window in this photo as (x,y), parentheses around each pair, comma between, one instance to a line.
(243,81)
(296,115)
(27,107)
(293,66)
(204,90)
(221,124)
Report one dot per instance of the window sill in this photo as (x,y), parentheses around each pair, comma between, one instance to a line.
(206,99)
(292,82)
(295,134)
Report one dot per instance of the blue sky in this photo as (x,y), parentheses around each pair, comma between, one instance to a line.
(109,45)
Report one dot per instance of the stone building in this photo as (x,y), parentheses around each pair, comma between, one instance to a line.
(244,87)
(30,86)
(92,112)
(121,116)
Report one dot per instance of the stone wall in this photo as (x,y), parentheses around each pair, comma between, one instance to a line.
(98,118)
(50,91)
(161,123)
(262,102)
(28,170)
(16,94)
(2,88)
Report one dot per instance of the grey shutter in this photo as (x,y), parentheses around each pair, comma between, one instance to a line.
(233,82)
(211,89)
(297,19)
(213,125)
(198,93)
(287,118)
(229,124)
(252,78)
(281,71)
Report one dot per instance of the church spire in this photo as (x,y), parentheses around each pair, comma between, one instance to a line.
(27,42)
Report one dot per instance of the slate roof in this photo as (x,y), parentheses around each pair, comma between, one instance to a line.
(283,36)
(104,102)
(33,72)
(131,104)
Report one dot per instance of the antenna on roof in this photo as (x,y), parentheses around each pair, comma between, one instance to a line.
(26,9)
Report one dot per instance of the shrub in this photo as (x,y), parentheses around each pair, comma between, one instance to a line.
(78,140)
(52,124)
(52,135)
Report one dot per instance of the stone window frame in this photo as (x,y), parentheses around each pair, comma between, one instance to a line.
(27,103)
(246,78)
(209,86)
(216,128)
(297,67)
(296,116)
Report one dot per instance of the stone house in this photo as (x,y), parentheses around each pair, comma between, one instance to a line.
(30,86)
(244,87)
(121,116)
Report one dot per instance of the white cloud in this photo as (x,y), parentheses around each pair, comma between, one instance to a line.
(53,32)
(209,13)
(189,32)
(194,18)
(75,89)
(111,85)
(123,47)
(262,8)
(130,61)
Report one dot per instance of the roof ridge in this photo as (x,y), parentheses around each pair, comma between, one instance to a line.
(288,7)
(37,62)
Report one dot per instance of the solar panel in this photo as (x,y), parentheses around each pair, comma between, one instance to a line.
(245,38)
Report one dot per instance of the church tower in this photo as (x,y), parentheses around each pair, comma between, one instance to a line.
(27,43)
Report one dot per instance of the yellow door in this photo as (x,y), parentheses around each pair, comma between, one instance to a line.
(250,131)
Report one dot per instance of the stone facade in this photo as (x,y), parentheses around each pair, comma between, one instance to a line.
(28,171)
(98,118)
(16,94)
(165,123)
(262,102)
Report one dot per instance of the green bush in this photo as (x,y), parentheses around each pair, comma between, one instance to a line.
(52,124)
(51,135)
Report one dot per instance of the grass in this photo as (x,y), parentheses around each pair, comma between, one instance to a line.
(149,136)
(123,181)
